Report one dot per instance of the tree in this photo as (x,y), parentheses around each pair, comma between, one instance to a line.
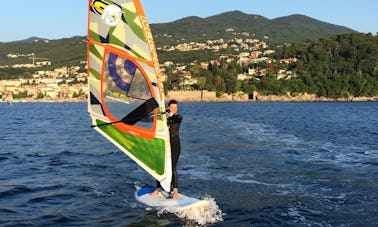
(219,84)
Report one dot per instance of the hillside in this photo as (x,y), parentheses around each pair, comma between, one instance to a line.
(306,28)
(65,51)
(290,29)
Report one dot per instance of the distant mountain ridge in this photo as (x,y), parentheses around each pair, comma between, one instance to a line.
(31,39)
(293,28)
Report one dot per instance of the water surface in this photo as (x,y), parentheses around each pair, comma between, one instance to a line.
(310,164)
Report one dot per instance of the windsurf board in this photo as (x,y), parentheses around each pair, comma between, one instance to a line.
(163,200)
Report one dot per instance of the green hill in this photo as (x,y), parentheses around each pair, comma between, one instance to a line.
(60,52)
(290,29)
(302,28)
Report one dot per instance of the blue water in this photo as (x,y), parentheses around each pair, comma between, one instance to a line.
(284,164)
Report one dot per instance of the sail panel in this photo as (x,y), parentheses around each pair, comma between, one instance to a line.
(135,146)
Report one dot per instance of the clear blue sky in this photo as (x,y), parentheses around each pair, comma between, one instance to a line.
(55,19)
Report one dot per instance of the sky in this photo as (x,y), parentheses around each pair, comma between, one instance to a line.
(55,19)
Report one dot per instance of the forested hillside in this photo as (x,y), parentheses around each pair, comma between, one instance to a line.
(61,52)
(342,66)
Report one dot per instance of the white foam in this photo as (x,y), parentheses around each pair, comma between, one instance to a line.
(242,178)
(200,215)
(246,178)
(203,215)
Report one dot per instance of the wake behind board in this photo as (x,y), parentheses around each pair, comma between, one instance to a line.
(162,200)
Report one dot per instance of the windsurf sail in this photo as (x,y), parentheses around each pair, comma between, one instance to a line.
(125,95)
(10,98)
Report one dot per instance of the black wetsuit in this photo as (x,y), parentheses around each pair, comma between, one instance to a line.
(174,123)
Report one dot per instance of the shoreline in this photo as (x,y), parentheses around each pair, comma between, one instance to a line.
(206,96)
(270,98)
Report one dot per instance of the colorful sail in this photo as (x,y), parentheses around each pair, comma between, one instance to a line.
(125,94)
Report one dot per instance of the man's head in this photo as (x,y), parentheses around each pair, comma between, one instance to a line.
(173,106)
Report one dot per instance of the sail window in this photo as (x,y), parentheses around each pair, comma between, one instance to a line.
(126,92)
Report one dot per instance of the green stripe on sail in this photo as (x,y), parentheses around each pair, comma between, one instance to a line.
(94,36)
(95,52)
(150,152)
(130,18)
(114,39)
(96,74)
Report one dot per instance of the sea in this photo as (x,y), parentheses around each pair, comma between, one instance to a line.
(259,164)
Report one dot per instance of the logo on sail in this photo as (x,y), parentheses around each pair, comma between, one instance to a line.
(111,14)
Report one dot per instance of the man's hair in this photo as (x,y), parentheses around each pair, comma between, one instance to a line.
(172,102)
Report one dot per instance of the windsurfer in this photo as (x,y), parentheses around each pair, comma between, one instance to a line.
(174,122)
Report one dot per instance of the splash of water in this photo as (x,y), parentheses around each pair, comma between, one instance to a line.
(200,215)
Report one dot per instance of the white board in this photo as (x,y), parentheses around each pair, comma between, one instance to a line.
(162,200)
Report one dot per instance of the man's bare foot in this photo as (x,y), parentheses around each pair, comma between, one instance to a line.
(175,193)
(156,192)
